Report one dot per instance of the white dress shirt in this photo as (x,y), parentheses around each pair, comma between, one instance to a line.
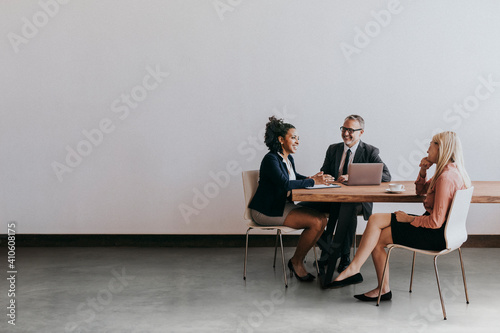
(291,174)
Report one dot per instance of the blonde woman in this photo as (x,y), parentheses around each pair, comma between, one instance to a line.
(426,231)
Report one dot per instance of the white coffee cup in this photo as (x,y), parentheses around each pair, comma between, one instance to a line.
(396,187)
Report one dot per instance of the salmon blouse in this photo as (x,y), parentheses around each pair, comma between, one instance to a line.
(438,200)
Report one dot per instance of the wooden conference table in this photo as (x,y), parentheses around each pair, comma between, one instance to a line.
(484,192)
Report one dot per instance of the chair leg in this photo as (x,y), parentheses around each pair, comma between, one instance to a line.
(412,270)
(463,275)
(383,275)
(276,246)
(283,258)
(439,287)
(316,259)
(354,246)
(246,255)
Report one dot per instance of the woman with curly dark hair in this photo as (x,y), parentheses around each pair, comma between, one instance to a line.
(272,205)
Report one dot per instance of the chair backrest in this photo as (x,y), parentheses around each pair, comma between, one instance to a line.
(455,232)
(250,183)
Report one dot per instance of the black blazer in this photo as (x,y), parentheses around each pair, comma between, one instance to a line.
(364,154)
(274,184)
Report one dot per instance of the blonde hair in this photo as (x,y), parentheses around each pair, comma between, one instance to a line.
(450,150)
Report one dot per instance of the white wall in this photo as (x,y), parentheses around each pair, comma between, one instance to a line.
(221,68)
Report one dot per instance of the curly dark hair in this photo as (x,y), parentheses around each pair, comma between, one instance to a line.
(274,129)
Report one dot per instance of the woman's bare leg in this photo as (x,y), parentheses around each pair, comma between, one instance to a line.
(379,257)
(371,238)
(313,223)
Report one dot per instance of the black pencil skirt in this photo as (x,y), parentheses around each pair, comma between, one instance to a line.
(417,237)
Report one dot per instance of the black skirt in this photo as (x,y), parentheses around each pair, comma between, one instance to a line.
(417,237)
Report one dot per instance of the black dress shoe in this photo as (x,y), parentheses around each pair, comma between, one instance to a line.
(355,279)
(384,297)
(308,278)
(344,262)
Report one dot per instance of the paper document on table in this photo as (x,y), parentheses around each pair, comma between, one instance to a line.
(323,186)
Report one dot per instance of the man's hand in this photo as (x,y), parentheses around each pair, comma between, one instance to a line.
(342,178)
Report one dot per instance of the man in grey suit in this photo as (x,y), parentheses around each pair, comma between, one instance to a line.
(338,157)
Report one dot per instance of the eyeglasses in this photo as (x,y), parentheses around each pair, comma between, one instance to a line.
(350,130)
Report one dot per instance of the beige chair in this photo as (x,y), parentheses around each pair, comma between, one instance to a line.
(250,183)
(455,234)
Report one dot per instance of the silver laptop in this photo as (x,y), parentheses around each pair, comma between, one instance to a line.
(365,174)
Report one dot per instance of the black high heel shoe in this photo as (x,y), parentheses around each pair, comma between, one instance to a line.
(308,278)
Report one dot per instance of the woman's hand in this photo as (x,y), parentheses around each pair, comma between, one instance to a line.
(403,217)
(322,179)
(424,165)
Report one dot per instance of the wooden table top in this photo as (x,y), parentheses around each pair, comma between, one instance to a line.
(484,192)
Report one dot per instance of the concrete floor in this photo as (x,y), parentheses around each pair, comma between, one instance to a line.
(202,290)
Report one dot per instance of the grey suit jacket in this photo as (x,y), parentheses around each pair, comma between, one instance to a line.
(364,154)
